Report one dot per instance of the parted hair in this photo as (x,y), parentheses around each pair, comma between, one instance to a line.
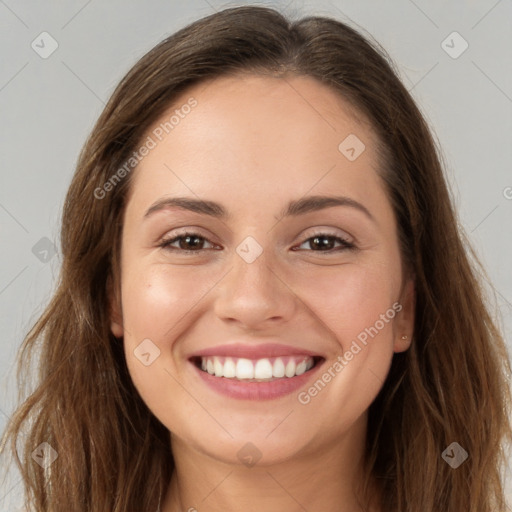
(452,384)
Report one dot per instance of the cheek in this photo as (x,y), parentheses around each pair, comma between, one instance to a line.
(158,299)
(160,304)
(351,298)
(343,304)
(357,307)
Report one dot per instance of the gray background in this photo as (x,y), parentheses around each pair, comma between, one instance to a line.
(48,106)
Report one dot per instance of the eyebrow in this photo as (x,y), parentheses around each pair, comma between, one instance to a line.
(293,209)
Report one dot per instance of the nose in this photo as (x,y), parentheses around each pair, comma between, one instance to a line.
(255,295)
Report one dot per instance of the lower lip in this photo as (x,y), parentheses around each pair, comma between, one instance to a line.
(257,390)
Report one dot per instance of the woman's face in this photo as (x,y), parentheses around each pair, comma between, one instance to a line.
(277,278)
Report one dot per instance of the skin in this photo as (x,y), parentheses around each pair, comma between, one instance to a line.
(254,143)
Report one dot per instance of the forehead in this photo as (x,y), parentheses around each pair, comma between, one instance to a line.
(252,134)
(259,105)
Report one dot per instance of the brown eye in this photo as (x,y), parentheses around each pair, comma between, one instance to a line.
(187,242)
(325,242)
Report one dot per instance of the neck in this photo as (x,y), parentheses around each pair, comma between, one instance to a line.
(321,479)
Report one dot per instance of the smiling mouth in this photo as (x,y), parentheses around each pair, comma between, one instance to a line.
(267,369)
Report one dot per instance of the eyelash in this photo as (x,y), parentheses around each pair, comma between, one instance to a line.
(165,243)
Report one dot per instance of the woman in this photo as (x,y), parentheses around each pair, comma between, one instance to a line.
(265,301)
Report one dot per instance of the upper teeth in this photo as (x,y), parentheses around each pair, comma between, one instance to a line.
(267,368)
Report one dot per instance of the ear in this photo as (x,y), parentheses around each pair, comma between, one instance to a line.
(115,310)
(404,325)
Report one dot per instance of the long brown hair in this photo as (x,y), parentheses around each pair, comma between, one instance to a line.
(451,385)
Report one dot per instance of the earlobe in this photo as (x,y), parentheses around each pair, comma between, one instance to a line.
(116,317)
(405,319)
(402,343)
(117,329)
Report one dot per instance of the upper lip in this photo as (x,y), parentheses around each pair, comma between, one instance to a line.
(259,351)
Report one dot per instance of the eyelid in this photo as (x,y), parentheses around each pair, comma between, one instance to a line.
(311,232)
(165,241)
(347,242)
(186,230)
(330,231)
